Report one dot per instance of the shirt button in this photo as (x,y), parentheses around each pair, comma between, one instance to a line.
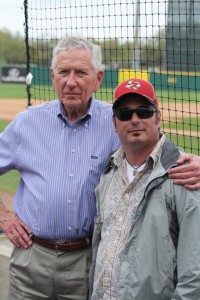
(73,150)
(74,130)
(71,175)
(69,228)
(69,201)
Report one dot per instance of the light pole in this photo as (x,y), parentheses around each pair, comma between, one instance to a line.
(136,56)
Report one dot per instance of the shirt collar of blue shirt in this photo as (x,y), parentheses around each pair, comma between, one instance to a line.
(61,112)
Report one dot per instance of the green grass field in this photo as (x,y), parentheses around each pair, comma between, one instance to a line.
(18,91)
(15,91)
(9,181)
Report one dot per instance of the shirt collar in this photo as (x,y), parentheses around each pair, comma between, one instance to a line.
(156,153)
(61,112)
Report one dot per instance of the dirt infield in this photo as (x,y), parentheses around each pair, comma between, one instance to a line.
(10,107)
(170,112)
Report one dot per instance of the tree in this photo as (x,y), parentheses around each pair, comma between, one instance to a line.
(12,48)
(116,54)
(41,51)
(153,51)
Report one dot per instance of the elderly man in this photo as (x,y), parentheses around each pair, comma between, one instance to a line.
(146,238)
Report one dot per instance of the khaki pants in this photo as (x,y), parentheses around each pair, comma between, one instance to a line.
(40,273)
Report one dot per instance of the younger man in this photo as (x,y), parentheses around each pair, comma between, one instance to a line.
(146,240)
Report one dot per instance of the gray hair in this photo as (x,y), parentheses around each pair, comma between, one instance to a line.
(73,42)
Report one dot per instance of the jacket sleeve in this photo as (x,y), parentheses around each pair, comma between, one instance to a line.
(188,250)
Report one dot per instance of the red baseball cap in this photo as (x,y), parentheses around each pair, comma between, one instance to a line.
(135,86)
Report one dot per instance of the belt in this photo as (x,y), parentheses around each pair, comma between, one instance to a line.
(65,245)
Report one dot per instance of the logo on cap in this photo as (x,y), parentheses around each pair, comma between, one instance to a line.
(133,84)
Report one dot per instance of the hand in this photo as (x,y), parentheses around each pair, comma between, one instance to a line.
(17,232)
(187,174)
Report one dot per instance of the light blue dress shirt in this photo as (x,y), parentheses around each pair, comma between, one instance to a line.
(60,164)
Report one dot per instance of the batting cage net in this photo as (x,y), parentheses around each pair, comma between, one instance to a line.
(155,40)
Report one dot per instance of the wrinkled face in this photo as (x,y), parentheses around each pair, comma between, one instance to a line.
(74,79)
(138,133)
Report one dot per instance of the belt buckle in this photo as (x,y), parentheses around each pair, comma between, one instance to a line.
(61,242)
(87,241)
(57,243)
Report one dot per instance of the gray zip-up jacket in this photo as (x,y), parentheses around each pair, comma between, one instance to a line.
(161,260)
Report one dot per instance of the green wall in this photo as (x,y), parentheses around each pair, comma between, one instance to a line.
(163,80)
(174,81)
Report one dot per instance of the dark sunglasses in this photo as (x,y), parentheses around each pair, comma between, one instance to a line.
(125,114)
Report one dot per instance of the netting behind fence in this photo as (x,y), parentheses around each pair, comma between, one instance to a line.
(154,40)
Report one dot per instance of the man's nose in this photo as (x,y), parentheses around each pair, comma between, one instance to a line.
(135,118)
(71,80)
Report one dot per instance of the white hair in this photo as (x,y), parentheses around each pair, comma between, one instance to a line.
(74,42)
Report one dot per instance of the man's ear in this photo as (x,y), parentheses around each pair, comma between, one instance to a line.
(52,72)
(99,80)
(52,76)
(114,123)
(159,117)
